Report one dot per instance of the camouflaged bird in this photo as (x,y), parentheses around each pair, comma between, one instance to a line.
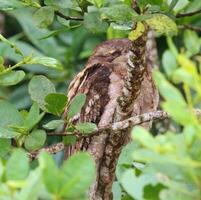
(103,80)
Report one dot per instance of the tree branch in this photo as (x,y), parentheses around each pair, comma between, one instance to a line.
(68,17)
(180,15)
(139,119)
(117,126)
(53,149)
(132,121)
(190,27)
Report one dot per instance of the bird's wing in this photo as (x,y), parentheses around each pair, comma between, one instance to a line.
(93,82)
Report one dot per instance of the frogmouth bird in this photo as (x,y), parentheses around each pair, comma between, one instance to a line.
(102,80)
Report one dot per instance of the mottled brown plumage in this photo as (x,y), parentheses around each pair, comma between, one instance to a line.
(102,80)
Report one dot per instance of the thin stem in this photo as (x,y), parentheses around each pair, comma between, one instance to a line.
(190,27)
(53,149)
(180,15)
(68,17)
(13,67)
(17,65)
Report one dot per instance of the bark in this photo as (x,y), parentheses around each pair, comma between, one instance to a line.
(115,140)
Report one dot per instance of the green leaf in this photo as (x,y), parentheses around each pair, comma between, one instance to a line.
(191,42)
(9,115)
(56,103)
(180,113)
(144,3)
(125,159)
(121,27)
(172,46)
(62,4)
(50,172)
(33,33)
(116,190)
(97,3)
(69,139)
(11,77)
(168,91)
(17,167)
(177,190)
(2,67)
(6,133)
(20,129)
(152,192)
(9,4)
(134,185)
(33,117)
(127,198)
(169,63)
(5,149)
(181,5)
(46,61)
(162,24)
(31,3)
(78,174)
(173,4)
(117,31)
(35,140)
(44,16)
(65,23)
(1,170)
(54,124)
(39,88)
(184,76)
(144,137)
(76,105)
(33,186)
(118,13)
(144,17)
(93,22)
(86,128)
(189,134)
(165,158)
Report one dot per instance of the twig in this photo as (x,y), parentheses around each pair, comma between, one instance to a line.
(190,27)
(133,121)
(68,17)
(180,15)
(140,119)
(53,149)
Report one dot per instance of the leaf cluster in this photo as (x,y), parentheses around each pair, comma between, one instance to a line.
(47,181)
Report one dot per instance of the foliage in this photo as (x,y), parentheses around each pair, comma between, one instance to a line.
(168,166)
(19,181)
(44,44)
